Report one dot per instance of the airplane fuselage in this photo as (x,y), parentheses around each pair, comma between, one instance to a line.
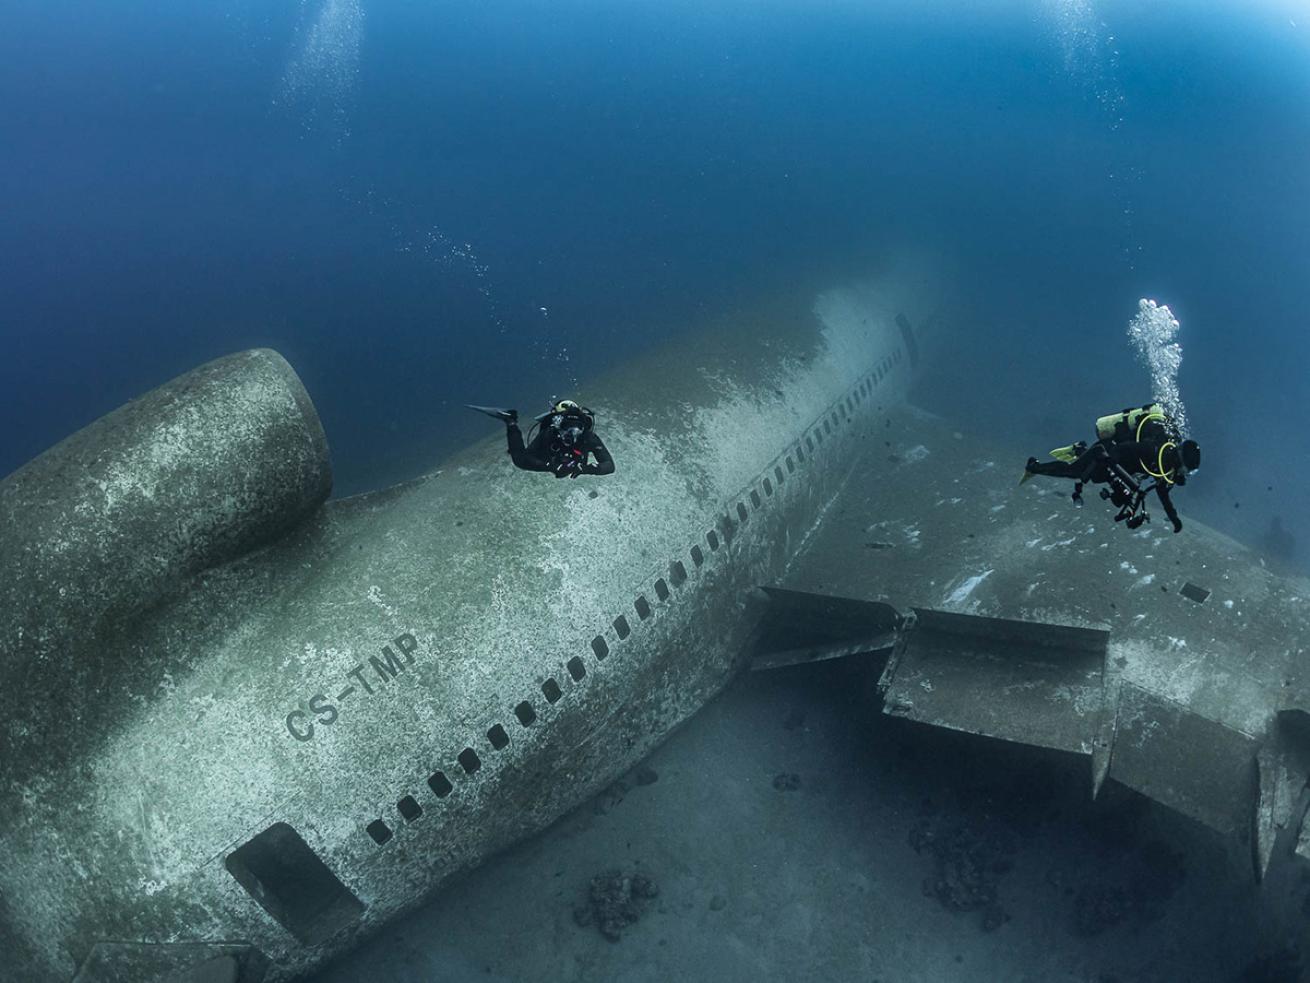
(291,748)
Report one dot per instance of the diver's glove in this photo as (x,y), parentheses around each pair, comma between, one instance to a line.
(1178,524)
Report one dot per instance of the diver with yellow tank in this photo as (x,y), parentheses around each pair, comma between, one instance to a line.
(1136,450)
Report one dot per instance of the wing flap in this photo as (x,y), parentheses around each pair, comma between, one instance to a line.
(1189,762)
(1017,681)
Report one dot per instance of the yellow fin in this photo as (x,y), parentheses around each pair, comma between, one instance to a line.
(1066,454)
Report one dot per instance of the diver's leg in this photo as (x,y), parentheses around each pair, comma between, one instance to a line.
(1076,469)
(526,458)
(1084,468)
(517,452)
(1052,469)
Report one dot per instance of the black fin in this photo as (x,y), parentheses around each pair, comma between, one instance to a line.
(507,416)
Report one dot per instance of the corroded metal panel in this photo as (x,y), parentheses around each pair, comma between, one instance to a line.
(1014,680)
(200,962)
(1284,768)
(1189,762)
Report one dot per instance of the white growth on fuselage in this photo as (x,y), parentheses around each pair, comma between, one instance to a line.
(961,593)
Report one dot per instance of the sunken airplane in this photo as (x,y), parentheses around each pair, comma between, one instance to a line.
(244,725)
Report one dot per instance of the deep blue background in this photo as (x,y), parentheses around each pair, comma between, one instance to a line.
(631,166)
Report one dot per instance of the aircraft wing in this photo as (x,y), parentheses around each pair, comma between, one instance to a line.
(1171,661)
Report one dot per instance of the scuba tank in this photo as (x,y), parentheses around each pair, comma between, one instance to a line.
(1129,424)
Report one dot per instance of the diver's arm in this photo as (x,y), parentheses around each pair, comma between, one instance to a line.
(1163,492)
(604,460)
(523,457)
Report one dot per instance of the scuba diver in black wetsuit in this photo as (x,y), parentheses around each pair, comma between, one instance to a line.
(564,439)
(1132,446)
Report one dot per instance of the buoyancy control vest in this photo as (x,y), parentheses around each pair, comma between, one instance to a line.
(1148,424)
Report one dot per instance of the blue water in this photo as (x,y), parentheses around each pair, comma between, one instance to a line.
(389,192)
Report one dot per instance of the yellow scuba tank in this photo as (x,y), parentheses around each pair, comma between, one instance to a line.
(1127,424)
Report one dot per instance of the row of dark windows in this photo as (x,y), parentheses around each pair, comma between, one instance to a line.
(409,808)
(283,874)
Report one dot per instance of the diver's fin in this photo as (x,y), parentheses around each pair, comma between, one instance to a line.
(508,416)
(1066,454)
(797,628)
(1026,475)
